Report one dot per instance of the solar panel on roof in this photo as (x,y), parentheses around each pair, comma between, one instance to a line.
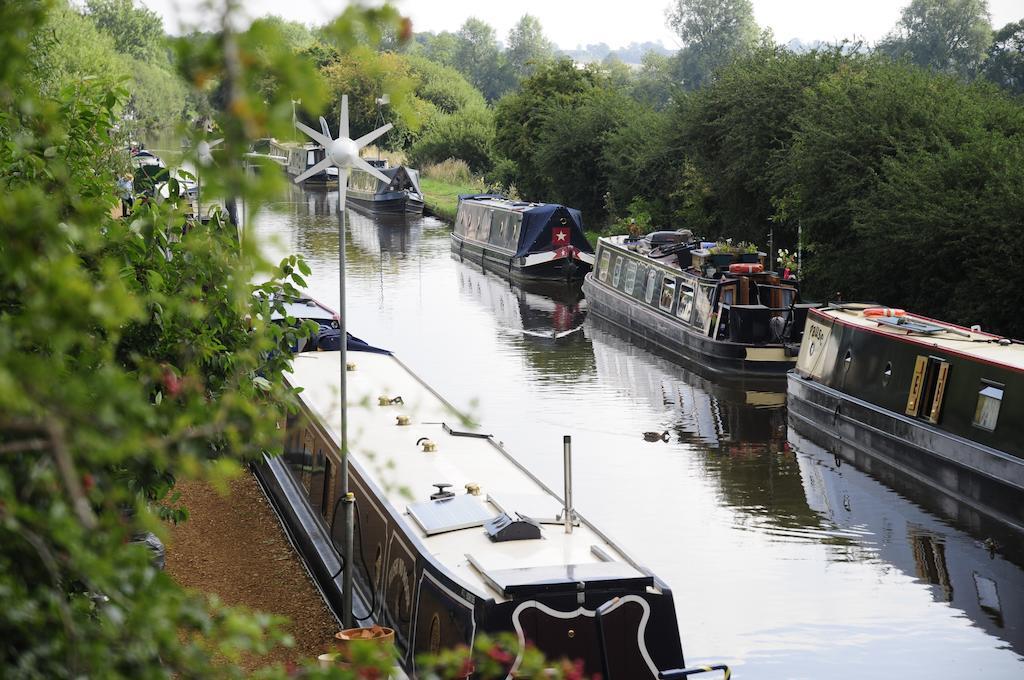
(450,514)
(901,323)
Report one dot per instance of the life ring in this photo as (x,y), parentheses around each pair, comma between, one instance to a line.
(746,268)
(883,311)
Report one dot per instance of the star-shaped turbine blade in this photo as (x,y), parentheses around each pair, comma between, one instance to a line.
(369,137)
(323,126)
(313,134)
(343,117)
(366,167)
(319,167)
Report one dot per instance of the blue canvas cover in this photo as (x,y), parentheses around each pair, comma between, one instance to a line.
(537,223)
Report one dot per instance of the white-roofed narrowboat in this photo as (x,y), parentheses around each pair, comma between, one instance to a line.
(940,403)
(452,536)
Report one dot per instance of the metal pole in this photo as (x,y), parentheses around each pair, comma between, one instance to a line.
(567,462)
(346,582)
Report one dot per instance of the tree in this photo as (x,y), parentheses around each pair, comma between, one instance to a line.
(466,135)
(137,31)
(1004,64)
(713,32)
(950,36)
(479,58)
(527,46)
(442,86)
(441,48)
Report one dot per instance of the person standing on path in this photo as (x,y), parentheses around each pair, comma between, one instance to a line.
(126,191)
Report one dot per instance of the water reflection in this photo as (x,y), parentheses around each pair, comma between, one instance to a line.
(960,570)
(782,563)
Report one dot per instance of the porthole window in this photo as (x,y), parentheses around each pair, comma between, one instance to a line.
(603,265)
(990,399)
(617,274)
(652,275)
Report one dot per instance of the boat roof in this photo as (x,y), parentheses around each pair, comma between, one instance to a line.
(921,330)
(390,455)
(500,201)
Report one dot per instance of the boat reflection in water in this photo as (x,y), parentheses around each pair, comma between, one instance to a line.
(736,431)
(391,234)
(542,310)
(977,574)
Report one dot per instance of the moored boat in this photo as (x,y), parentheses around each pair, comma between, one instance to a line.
(300,158)
(522,240)
(480,545)
(677,294)
(935,401)
(400,195)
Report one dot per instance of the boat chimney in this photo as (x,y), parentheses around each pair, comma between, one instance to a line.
(567,511)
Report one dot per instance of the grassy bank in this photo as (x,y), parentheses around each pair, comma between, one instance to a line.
(442,198)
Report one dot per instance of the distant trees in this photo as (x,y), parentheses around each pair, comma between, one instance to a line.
(527,47)
(1004,65)
(713,32)
(136,30)
(950,36)
(478,57)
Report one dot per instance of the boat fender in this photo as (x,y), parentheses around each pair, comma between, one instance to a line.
(401,420)
(883,311)
(428,446)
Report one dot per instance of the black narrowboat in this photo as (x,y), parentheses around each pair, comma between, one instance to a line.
(400,195)
(731,317)
(940,403)
(453,537)
(300,158)
(523,241)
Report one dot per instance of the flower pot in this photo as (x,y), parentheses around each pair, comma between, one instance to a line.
(721,261)
(376,635)
(751,258)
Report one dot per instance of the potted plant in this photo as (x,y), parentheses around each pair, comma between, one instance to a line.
(787,263)
(749,253)
(723,253)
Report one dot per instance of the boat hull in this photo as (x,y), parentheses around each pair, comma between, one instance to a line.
(662,332)
(393,203)
(981,477)
(518,269)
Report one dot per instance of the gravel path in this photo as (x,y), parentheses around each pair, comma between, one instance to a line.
(234,546)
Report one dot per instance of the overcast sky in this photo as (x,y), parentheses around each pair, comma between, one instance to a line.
(571,23)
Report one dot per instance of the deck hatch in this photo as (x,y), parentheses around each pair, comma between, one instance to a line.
(450,514)
(527,580)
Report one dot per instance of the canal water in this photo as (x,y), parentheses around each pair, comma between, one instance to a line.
(785,561)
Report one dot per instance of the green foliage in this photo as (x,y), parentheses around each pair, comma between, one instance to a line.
(467,135)
(894,167)
(68,48)
(1004,64)
(950,36)
(713,32)
(136,30)
(132,353)
(527,47)
(442,86)
(479,57)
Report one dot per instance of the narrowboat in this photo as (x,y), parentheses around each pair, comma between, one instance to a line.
(938,402)
(523,241)
(453,537)
(301,157)
(400,195)
(679,295)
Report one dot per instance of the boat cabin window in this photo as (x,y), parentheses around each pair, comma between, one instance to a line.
(684,310)
(727,295)
(311,158)
(990,398)
(516,225)
(702,305)
(325,509)
(928,388)
(617,274)
(630,278)
(652,279)
(603,265)
(668,292)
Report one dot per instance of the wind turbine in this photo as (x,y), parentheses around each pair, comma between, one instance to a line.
(343,153)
